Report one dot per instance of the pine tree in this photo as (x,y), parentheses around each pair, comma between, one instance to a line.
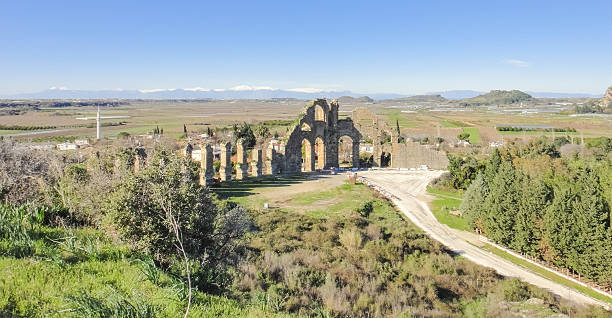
(559,220)
(501,204)
(397,127)
(533,199)
(592,222)
(472,206)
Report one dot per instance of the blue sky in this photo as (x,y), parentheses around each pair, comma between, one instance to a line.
(363,46)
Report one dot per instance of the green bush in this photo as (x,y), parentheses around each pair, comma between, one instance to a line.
(15,238)
(166,192)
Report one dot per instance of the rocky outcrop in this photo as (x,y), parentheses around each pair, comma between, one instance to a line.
(606,101)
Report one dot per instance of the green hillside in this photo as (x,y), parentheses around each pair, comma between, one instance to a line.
(497,97)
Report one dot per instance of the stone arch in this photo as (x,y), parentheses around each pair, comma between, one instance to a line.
(320,154)
(347,152)
(320,113)
(322,119)
(385,159)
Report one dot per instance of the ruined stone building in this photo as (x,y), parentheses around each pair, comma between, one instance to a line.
(312,143)
(388,151)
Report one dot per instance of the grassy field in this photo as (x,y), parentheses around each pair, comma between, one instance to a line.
(474,134)
(441,206)
(547,274)
(395,116)
(78,273)
(452,124)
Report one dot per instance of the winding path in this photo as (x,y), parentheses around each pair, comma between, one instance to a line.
(409,188)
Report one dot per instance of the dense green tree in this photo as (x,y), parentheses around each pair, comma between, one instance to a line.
(472,206)
(591,212)
(534,198)
(501,204)
(245,132)
(166,198)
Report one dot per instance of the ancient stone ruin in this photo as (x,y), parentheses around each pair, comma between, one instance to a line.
(317,132)
(312,143)
(388,151)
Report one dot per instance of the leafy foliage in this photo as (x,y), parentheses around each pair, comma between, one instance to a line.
(143,208)
(557,209)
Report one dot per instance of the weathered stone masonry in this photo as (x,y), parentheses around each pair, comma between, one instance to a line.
(319,129)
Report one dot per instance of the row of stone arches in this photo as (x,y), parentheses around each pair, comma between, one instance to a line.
(315,154)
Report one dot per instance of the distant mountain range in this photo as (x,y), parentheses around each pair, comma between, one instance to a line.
(234,93)
(246,92)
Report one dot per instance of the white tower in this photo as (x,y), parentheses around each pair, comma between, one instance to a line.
(98,134)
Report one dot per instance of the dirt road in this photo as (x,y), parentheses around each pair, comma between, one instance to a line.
(410,189)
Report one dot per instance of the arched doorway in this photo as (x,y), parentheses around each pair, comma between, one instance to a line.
(307,163)
(345,151)
(385,159)
(319,149)
(320,113)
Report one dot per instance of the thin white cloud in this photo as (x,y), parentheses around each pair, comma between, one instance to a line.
(155,90)
(305,90)
(61,88)
(197,89)
(251,88)
(517,63)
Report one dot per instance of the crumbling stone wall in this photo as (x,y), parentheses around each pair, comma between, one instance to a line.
(319,128)
(407,154)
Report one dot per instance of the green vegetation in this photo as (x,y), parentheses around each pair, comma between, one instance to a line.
(515,128)
(19,127)
(82,273)
(546,273)
(83,238)
(443,204)
(394,116)
(452,124)
(530,199)
(497,97)
(473,134)
(593,107)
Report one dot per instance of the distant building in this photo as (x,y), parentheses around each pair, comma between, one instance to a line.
(67,146)
(366,148)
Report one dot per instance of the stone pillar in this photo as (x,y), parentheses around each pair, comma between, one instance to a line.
(207,171)
(355,153)
(256,163)
(376,153)
(188,150)
(271,164)
(242,166)
(225,172)
(139,159)
(309,163)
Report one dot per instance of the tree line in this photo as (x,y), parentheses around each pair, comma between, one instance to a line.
(536,202)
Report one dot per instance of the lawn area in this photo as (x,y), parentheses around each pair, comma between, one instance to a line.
(474,134)
(79,273)
(395,115)
(4,132)
(452,124)
(547,274)
(441,206)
